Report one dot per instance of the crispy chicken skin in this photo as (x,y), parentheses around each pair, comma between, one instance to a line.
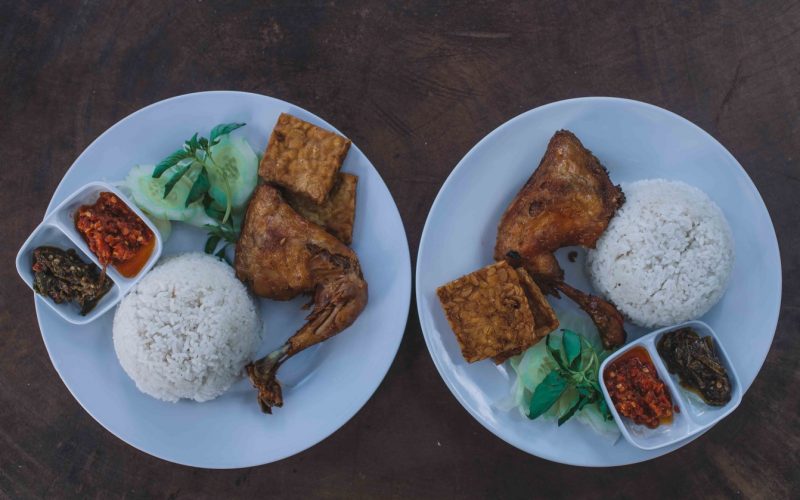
(280,255)
(273,253)
(569,200)
(605,316)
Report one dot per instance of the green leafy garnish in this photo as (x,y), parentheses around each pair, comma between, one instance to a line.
(179,173)
(572,347)
(225,233)
(170,161)
(194,159)
(577,366)
(211,243)
(223,129)
(547,393)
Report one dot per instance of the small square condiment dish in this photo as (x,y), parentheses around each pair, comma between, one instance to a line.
(690,414)
(58,230)
(701,412)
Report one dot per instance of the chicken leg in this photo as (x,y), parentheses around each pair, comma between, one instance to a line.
(280,255)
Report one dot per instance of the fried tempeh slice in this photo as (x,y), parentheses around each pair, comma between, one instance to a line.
(337,213)
(544,317)
(543,314)
(488,311)
(303,158)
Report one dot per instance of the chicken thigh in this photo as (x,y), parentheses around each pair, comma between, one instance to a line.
(280,255)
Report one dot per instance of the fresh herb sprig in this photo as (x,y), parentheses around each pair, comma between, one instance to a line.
(577,366)
(194,159)
(225,233)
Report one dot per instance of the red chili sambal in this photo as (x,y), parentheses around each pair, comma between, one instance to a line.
(636,390)
(115,234)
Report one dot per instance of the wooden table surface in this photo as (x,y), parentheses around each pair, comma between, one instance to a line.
(415,85)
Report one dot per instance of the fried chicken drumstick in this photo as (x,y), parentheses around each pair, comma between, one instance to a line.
(280,255)
(569,200)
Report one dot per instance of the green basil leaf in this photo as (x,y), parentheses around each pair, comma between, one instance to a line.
(179,172)
(554,353)
(603,407)
(192,143)
(578,406)
(546,394)
(221,254)
(222,129)
(571,344)
(585,389)
(211,243)
(199,188)
(169,162)
(212,209)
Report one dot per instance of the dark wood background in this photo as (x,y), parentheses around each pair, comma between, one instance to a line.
(415,85)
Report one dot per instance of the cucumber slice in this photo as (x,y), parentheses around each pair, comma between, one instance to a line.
(148,192)
(236,163)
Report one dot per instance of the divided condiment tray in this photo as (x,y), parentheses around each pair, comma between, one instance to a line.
(693,414)
(58,230)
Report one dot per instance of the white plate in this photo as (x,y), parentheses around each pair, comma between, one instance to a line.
(323,387)
(634,141)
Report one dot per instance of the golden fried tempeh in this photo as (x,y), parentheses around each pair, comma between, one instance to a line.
(337,213)
(303,158)
(488,311)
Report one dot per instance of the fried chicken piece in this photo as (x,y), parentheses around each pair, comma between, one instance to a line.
(281,254)
(605,316)
(337,213)
(569,200)
(303,158)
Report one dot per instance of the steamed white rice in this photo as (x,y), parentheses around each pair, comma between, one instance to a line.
(186,329)
(666,255)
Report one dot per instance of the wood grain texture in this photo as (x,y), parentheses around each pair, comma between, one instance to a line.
(415,84)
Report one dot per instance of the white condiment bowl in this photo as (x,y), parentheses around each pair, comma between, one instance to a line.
(58,230)
(693,415)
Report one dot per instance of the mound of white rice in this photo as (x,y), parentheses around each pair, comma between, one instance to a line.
(186,329)
(666,255)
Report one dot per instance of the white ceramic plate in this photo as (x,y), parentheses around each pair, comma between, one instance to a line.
(634,141)
(323,387)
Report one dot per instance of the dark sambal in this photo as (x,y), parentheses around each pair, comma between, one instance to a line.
(64,277)
(115,234)
(699,368)
(636,390)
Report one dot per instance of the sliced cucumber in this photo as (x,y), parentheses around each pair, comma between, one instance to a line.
(148,192)
(234,170)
